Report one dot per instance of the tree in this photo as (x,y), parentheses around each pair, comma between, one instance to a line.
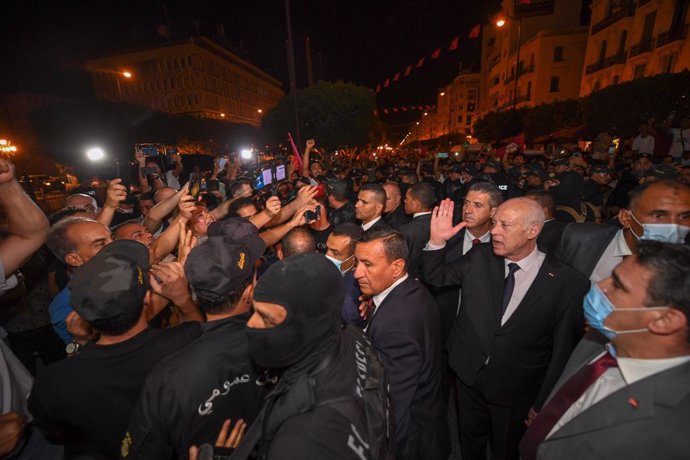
(334,114)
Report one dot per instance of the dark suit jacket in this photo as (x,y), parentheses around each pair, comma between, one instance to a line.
(379,223)
(526,354)
(613,428)
(582,245)
(550,236)
(405,331)
(416,234)
(397,218)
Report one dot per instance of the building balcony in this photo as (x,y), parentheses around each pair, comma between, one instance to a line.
(624,12)
(618,58)
(642,47)
(526,70)
(672,35)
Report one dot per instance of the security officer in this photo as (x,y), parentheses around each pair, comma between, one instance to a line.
(188,397)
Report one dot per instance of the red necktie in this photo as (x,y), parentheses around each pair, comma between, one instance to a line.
(476,241)
(552,412)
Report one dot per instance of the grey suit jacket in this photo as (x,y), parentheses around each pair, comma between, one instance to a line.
(649,419)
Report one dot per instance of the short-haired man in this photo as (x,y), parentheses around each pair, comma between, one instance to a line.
(629,398)
(297,241)
(340,249)
(371,201)
(187,397)
(520,317)
(300,330)
(419,201)
(341,209)
(85,401)
(395,210)
(404,327)
(73,241)
(553,228)
(658,210)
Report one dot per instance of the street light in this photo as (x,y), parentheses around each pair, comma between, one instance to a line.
(127,74)
(500,22)
(260,111)
(95,154)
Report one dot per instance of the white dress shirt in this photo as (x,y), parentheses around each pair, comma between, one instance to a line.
(379,298)
(612,256)
(468,238)
(529,267)
(629,371)
(417,214)
(369,224)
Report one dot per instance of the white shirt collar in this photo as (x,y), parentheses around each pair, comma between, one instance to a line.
(485,238)
(637,369)
(417,214)
(379,298)
(620,246)
(368,225)
(527,262)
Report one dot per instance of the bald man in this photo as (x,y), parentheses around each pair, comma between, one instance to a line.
(520,318)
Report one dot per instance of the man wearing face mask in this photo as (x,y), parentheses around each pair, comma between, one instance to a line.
(658,210)
(320,407)
(340,249)
(629,398)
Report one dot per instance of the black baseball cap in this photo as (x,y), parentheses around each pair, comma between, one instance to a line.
(662,171)
(491,163)
(112,283)
(601,169)
(239,230)
(220,265)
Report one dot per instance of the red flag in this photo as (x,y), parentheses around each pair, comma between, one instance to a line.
(474,32)
(387,83)
(376,113)
(454,44)
(427,107)
(420,63)
(404,109)
(378,88)
(395,109)
(408,70)
(397,77)
(296,158)
(385,111)
(419,107)
(436,54)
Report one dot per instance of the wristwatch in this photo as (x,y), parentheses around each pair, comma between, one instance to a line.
(72,348)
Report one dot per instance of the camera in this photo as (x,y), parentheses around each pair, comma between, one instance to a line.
(313,215)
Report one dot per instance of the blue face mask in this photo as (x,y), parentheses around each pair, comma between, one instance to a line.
(666,233)
(338,263)
(598,307)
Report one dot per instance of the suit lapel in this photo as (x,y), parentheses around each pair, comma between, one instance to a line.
(545,280)
(385,302)
(498,280)
(631,403)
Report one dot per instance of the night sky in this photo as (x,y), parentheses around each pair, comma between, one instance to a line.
(45,42)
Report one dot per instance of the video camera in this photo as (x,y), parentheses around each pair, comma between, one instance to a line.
(162,151)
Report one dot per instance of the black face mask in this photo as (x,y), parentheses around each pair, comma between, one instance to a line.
(311,289)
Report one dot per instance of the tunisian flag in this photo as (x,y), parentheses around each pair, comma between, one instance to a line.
(436,54)
(454,44)
(474,32)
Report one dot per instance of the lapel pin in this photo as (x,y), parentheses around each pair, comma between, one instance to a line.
(551,274)
(633,402)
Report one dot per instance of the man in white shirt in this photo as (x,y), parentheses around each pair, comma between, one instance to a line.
(370,204)
(644,142)
(681,138)
(629,398)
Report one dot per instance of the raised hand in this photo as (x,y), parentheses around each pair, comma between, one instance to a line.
(305,194)
(185,243)
(311,143)
(6,171)
(116,194)
(442,229)
(273,206)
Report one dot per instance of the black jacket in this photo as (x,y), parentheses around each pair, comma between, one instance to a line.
(550,235)
(345,213)
(582,245)
(416,234)
(405,329)
(189,395)
(526,354)
(397,218)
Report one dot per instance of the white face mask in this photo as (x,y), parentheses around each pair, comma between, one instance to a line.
(338,263)
(666,233)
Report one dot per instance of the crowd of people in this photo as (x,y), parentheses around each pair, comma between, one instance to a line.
(407,306)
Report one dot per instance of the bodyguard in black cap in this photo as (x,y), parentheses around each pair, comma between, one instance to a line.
(322,406)
(85,401)
(188,397)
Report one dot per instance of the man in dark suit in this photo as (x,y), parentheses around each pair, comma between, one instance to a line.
(550,235)
(478,208)
(631,398)
(595,250)
(371,200)
(395,211)
(419,201)
(404,328)
(520,317)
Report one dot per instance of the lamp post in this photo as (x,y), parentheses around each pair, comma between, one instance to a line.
(124,74)
(500,22)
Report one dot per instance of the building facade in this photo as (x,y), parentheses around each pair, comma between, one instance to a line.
(631,39)
(530,60)
(195,77)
